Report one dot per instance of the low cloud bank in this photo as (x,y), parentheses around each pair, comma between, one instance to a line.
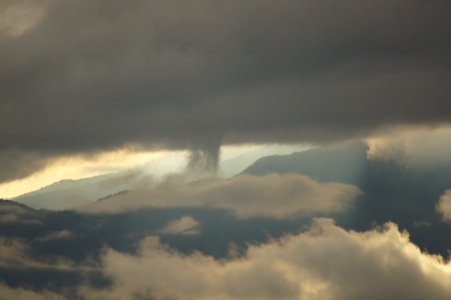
(275,196)
(326,262)
(323,262)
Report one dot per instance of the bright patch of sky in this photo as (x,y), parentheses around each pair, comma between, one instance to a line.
(234,159)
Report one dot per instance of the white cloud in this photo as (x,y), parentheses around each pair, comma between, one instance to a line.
(185,225)
(444,206)
(277,196)
(416,147)
(326,262)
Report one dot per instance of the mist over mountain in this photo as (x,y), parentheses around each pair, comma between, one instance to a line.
(68,194)
(391,191)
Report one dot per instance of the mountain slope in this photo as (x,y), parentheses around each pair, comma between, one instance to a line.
(391,191)
(68,194)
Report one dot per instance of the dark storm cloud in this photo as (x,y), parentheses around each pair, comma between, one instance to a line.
(18,164)
(94,75)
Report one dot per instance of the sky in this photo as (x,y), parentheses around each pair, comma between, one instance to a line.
(296,131)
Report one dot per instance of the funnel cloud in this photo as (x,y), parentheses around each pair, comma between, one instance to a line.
(100,75)
(204,157)
(113,115)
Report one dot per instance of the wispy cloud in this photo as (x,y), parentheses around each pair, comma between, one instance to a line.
(185,225)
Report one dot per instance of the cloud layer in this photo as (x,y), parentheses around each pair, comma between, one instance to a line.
(275,196)
(89,76)
(323,261)
(326,262)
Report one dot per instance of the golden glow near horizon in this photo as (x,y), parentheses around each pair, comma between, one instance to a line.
(77,167)
(157,163)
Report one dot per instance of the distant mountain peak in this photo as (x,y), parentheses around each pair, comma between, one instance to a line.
(4,202)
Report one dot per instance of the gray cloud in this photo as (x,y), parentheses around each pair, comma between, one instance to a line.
(276,196)
(204,157)
(87,76)
(19,163)
(326,262)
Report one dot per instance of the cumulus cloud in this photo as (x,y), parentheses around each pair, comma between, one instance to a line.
(89,76)
(275,195)
(325,262)
(185,225)
(418,147)
(444,206)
